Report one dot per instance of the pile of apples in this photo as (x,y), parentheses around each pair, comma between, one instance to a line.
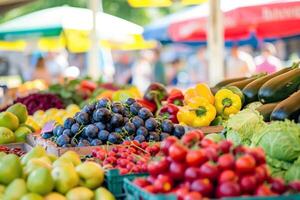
(194,168)
(38,175)
(130,157)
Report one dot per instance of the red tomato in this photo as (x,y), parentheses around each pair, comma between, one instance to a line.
(245,164)
(248,184)
(228,189)
(225,146)
(264,190)
(277,185)
(203,186)
(226,161)
(258,154)
(181,192)
(261,173)
(167,143)
(177,152)
(227,175)
(196,157)
(177,170)
(163,183)
(192,137)
(191,173)
(208,170)
(141,182)
(211,153)
(294,185)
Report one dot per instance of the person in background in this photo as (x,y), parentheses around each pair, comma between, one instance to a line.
(142,71)
(267,62)
(197,67)
(173,71)
(123,69)
(41,71)
(239,64)
(159,69)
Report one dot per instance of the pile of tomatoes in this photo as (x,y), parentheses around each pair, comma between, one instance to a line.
(194,168)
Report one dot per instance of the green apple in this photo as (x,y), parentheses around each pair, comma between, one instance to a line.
(15,190)
(36,152)
(72,156)
(21,134)
(80,193)
(52,157)
(2,154)
(35,163)
(40,181)
(91,174)
(103,194)
(55,196)
(20,111)
(32,196)
(65,177)
(2,189)
(10,168)
(6,136)
(9,120)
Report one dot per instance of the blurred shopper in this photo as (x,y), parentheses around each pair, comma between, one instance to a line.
(142,71)
(159,69)
(123,69)
(197,67)
(173,71)
(41,71)
(267,62)
(239,63)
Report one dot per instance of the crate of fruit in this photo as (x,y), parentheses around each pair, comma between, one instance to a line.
(133,192)
(114,181)
(16,148)
(128,160)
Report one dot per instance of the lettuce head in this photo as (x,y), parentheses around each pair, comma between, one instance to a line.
(280,140)
(243,125)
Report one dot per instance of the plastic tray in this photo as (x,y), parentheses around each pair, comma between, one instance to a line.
(134,192)
(114,182)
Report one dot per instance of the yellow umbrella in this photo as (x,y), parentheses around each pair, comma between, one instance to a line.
(161,3)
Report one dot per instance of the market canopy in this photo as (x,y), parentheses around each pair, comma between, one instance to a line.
(267,19)
(161,3)
(68,26)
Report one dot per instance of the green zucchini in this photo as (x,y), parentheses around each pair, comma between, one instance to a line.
(241,84)
(280,87)
(251,90)
(266,110)
(228,81)
(288,108)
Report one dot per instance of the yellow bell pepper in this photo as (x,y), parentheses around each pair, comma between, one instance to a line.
(197,113)
(200,90)
(227,102)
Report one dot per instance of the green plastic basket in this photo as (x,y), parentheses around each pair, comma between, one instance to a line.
(134,192)
(114,181)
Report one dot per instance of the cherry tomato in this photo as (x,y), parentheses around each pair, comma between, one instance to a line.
(264,190)
(248,183)
(196,157)
(245,164)
(228,189)
(193,196)
(226,161)
(177,152)
(228,175)
(167,143)
(208,170)
(203,186)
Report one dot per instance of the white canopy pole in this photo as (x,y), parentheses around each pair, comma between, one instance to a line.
(215,42)
(93,54)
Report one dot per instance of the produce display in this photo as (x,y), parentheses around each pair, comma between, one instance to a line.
(38,175)
(130,157)
(197,167)
(13,127)
(106,122)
